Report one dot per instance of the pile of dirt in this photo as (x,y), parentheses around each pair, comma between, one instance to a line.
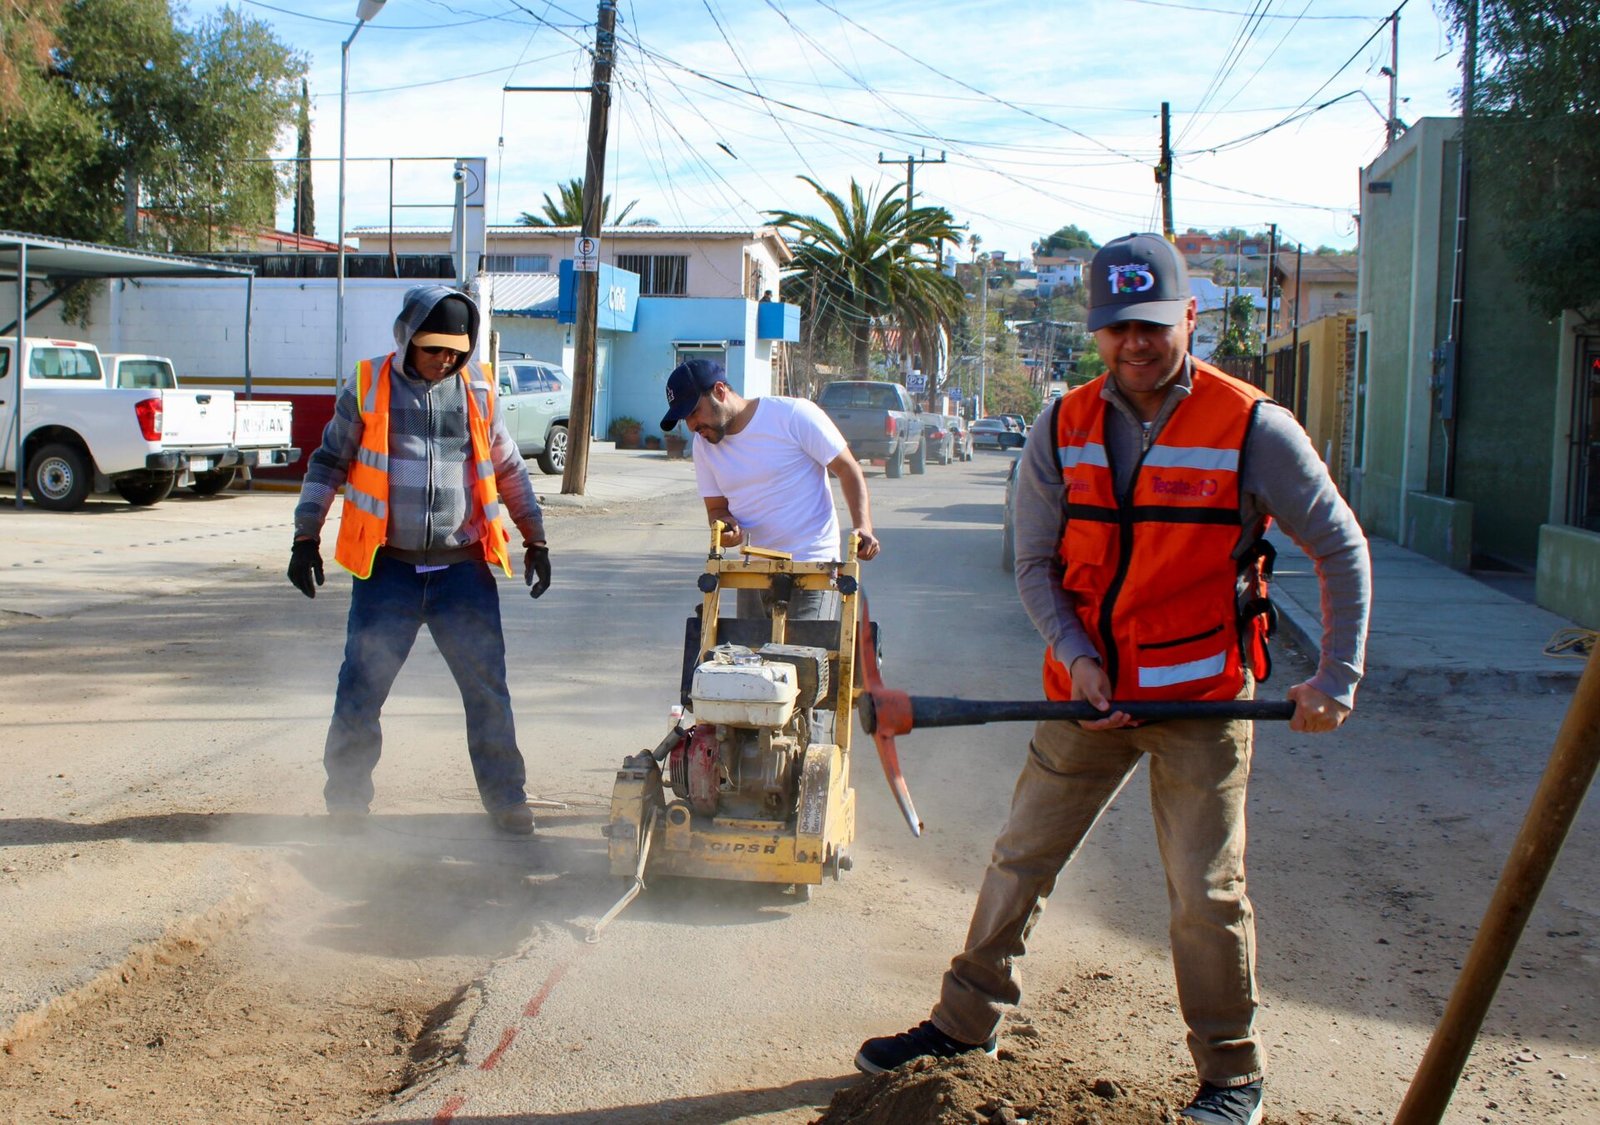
(1008,1090)
(263,1025)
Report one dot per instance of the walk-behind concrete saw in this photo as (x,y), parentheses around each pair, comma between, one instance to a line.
(755,787)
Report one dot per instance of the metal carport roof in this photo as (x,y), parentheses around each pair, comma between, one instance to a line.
(37,256)
(67,258)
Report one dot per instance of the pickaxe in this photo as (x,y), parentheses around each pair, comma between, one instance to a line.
(886,713)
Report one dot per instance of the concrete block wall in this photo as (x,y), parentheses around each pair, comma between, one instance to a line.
(1567,580)
(1440,528)
(200,324)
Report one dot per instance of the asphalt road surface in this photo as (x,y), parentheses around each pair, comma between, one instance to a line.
(161,792)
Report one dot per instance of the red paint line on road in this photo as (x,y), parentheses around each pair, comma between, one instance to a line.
(447,1112)
(533,1006)
(506,1037)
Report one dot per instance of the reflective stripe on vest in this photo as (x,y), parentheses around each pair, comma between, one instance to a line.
(1151,571)
(364,518)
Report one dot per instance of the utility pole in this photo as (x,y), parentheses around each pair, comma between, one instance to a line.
(1164,173)
(983,344)
(588,281)
(911,173)
(1272,265)
(1392,126)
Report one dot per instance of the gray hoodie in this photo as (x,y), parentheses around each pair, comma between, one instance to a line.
(430,456)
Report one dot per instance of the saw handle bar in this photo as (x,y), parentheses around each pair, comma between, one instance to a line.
(948,711)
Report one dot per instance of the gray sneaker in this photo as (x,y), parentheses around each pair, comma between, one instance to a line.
(1226,1105)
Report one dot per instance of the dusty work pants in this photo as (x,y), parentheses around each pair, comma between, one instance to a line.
(804,605)
(460,604)
(1199,770)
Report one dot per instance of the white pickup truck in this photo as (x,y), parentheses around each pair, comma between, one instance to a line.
(81,434)
(261,427)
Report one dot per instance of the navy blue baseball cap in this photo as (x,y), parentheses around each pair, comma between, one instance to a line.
(686,384)
(1137,277)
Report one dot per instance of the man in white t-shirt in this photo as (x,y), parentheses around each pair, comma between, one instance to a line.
(762,465)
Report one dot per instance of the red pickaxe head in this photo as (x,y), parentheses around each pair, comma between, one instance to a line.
(884,714)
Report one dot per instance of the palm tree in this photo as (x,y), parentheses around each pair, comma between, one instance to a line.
(569,211)
(871,259)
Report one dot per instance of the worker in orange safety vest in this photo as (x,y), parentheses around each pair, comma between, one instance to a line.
(1143,498)
(430,474)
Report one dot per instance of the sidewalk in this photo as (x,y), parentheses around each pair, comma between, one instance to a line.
(1433,629)
(619,476)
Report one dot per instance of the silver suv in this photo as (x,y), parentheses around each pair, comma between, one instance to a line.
(536,401)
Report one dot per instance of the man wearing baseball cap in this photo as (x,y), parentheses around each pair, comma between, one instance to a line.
(1142,501)
(430,474)
(762,466)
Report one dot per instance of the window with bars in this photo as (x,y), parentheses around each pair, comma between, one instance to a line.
(516,263)
(660,275)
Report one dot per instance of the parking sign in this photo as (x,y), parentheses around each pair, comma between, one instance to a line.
(586,254)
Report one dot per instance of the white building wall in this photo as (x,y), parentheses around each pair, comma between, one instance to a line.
(200,323)
(715,268)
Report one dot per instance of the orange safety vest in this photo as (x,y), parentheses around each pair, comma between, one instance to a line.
(364,518)
(1171,612)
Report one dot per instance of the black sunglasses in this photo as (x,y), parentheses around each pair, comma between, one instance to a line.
(435,349)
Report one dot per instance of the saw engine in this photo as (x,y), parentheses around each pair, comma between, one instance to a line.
(754,712)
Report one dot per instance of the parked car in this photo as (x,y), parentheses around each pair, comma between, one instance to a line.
(262,428)
(536,400)
(1008,522)
(81,434)
(995,432)
(937,439)
(960,438)
(1017,422)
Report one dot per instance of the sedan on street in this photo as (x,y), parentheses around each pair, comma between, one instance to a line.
(994,431)
(937,440)
(961,444)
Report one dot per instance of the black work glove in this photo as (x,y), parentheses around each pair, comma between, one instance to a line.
(536,561)
(305,565)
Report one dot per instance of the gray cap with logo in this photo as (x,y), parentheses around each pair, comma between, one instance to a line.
(1137,277)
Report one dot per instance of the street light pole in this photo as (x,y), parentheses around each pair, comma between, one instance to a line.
(365,10)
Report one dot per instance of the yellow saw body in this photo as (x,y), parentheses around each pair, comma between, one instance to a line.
(757,787)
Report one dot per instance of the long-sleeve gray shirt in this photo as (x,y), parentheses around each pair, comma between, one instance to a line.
(430,466)
(1281,476)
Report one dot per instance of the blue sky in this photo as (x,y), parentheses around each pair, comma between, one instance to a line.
(1047,113)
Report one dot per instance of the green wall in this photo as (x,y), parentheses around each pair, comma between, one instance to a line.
(1506,402)
(1387,240)
(1506,411)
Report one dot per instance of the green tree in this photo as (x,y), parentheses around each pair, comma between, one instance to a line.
(871,260)
(131,107)
(1239,336)
(568,210)
(27,36)
(1090,364)
(1067,238)
(1531,141)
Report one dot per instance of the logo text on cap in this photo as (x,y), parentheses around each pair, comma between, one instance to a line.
(1134,278)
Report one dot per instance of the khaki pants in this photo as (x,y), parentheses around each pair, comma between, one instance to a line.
(1199,770)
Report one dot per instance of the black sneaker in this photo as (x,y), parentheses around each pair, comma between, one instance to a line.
(515,820)
(1226,1105)
(922,1041)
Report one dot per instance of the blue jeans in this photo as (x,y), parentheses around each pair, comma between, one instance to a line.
(461,607)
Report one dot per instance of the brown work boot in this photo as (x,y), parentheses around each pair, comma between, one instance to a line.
(514,820)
